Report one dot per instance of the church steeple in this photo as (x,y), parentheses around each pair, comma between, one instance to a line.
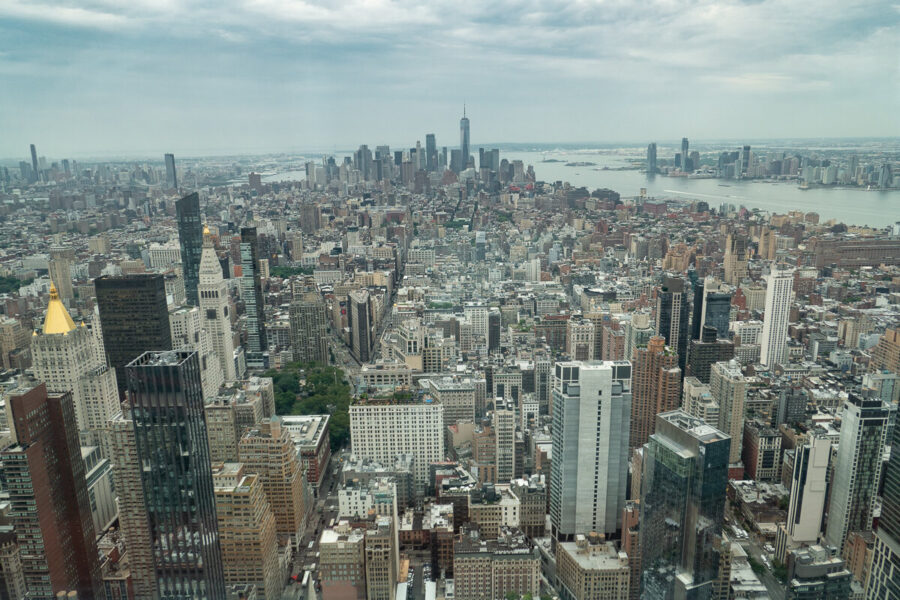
(57,320)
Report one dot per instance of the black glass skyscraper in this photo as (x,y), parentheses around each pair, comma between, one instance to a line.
(190,234)
(651,158)
(35,172)
(682,507)
(251,292)
(171,176)
(134,318)
(884,578)
(172,446)
(431,155)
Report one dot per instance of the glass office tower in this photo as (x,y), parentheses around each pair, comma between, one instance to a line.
(170,436)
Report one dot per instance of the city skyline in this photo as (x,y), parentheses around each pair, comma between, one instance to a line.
(282,75)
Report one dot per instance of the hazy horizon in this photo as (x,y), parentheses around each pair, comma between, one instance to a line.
(110,77)
(524,146)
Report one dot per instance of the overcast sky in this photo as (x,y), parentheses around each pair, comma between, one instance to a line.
(100,77)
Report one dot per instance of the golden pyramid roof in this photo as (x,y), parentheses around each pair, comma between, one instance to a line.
(57,319)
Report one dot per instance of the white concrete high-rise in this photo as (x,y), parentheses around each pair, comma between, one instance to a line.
(591,424)
(213,293)
(728,387)
(809,487)
(779,289)
(187,328)
(382,429)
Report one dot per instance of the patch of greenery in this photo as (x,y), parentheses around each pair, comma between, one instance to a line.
(323,391)
(285,272)
(779,570)
(440,305)
(12,284)
(757,566)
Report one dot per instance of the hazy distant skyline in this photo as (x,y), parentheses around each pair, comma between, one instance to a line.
(229,76)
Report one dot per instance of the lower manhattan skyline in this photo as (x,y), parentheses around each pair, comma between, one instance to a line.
(104,77)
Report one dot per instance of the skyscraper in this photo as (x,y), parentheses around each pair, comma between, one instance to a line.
(431,155)
(251,293)
(60,268)
(712,307)
(651,158)
(884,575)
(170,436)
(779,285)
(171,176)
(672,314)
(464,141)
(212,293)
(309,328)
(728,387)
(588,481)
(684,154)
(707,351)
(127,473)
(246,530)
(190,235)
(857,468)
(656,388)
(504,424)
(685,475)
(67,359)
(735,259)
(35,171)
(134,319)
(809,486)
(268,450)
(362,327)
(49,504)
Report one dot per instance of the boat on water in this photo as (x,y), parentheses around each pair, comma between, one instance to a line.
(803,186)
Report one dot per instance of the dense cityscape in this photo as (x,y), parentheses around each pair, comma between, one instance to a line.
(430,373)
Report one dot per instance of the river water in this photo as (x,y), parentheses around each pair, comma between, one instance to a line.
(852,206)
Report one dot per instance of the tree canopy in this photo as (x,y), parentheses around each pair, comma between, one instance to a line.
(314,389)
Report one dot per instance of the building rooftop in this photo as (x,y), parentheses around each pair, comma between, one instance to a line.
(306,430)
(594,554)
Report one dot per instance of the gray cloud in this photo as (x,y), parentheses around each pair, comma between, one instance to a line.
(149,75)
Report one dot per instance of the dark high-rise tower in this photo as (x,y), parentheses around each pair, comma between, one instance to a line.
(684,153)
(884,577)
(464,140)
(48,496)
(190,234)
(672,313)
(706,352)
(171,443)
(431,155)
(171,176)
(685,476)
(651,158)
(251,292)
(35,172)
(134,319)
